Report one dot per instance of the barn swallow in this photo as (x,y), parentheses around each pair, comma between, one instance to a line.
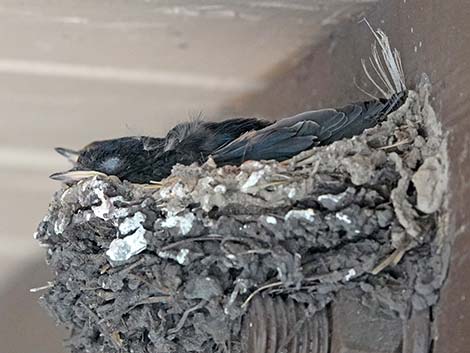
(143,159)
(147,159)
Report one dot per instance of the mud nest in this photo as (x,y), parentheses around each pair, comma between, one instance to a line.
(363,214)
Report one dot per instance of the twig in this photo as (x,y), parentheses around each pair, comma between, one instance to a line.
(184,317)
(393,258)
(149,300)
(190,240)
(260,289)
(38,289)
(399,143)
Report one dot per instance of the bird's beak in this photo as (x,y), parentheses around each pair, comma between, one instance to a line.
(71,155)
(75,175)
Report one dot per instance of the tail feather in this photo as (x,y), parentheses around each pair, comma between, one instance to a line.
(386,64)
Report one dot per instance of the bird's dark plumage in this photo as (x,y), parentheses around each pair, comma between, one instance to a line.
(233,141)
(141,159)
(288,137)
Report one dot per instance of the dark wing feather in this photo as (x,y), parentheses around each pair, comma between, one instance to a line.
(279,141)
(290,136)
(221,133)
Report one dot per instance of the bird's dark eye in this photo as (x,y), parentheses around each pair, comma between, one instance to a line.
(111,165)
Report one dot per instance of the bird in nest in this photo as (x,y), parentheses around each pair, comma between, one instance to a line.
(143,159)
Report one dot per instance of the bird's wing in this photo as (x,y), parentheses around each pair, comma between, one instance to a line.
(224,132)
(281,140)
(361,116)
(290,136)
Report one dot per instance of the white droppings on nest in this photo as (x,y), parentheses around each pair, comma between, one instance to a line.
(206,181)
(123,249)
(307,214)
(329,197)
(165,192)
(105,210)
(185,222)
(61,223)
(252,180)
(179,191)
(351,273)
(181,257)
(343,218)
(292,192)
(102,210)
(220,189)
(271,220)
(132,223)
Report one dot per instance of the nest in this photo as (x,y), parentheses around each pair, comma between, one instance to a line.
(176,268)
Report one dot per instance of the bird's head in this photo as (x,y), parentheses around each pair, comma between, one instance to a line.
(122,157)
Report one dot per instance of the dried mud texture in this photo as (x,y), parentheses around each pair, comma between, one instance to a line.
(361,214)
